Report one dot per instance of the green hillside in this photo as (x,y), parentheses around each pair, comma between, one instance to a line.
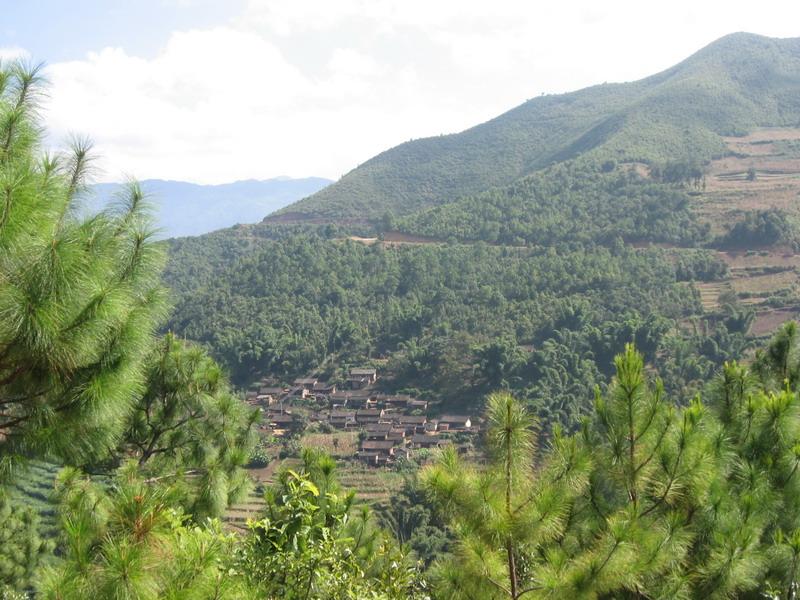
(733,85)
(455,320)
(517,253)
(569,202)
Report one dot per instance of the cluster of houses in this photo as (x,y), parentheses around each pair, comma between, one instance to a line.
(393,425)
(395,436)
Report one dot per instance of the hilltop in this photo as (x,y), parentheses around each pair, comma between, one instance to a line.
(734,85)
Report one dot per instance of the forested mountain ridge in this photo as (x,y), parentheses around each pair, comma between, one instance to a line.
(569,202)
(739,82)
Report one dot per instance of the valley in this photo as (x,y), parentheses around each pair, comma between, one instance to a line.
(553,355)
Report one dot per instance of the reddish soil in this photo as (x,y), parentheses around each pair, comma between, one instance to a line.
(397,237)
(768,320)
(759,258)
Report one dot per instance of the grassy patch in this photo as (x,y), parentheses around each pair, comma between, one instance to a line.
(339,444)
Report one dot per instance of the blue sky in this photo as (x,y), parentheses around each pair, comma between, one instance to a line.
(59,30)
(213,91)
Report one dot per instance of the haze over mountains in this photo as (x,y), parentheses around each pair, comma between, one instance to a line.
(735,84)
(185,209)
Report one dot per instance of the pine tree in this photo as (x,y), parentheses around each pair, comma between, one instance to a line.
(648,500)
(503,515)
(189,426)
(128,540)
(79,297)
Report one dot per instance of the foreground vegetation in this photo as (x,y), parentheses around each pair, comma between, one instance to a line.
(151,435)
(648,500)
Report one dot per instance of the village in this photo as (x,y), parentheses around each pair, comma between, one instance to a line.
(390,427)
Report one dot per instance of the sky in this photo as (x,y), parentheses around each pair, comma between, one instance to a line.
(215,91)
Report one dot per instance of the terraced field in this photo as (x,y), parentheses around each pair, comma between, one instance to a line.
(773,155)
(374,486)
(237,515)
(710,293)
(767,279)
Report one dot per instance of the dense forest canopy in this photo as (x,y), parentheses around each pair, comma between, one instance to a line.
(571,202)
(448,315)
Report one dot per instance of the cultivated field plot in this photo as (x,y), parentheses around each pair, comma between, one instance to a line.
(373,486)
(710,293)
(34,489)
(768,320)
(754,287)
(762,173)
(772,154)
(340,445)
(772,283)
(739,261)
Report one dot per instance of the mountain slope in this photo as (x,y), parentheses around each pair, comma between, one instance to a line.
(190,209)
(527,251)
(733,85)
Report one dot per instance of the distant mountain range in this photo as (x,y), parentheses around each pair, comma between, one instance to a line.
(187,209)
(740,82)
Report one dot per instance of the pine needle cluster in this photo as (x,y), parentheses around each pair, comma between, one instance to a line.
(129,540)
(80,297)
(648,500)
(84,380)
(190,427)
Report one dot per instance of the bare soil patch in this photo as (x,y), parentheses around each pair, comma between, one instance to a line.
(397,237)
(767,321)
(765,284)
(767,134)
(340,444)
(760,259)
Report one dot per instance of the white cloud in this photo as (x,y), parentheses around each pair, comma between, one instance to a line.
(304,87)
(12,53)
